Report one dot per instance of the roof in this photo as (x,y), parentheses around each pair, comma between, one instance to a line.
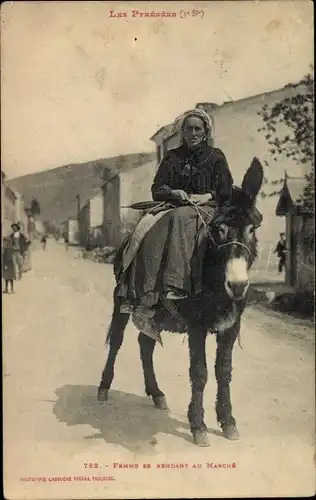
(290,196)
(296,186)
(66,199)
(89,186)
(13,191)
(151,163)
(164,132)
(86,194)
(167,130)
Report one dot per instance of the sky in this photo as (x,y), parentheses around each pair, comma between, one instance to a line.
(78,85)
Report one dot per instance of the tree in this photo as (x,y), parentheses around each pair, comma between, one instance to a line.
(289,130)
(47,226)
(50,227)
(35,207)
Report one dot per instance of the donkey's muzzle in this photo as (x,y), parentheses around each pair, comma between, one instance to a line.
(237,289)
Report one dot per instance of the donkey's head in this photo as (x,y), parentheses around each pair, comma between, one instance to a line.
(232,234)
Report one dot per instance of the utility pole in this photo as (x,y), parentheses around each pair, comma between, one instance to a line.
(78,218)
(78,205)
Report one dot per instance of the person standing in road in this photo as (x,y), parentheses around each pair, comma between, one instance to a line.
(19,244)
(43,241)
(8,271)
(280,250)
(27,257)
(66,242)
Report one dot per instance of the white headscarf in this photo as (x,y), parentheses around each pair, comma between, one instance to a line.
(198,113)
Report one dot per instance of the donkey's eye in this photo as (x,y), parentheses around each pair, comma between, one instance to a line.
(249,231)
(223,231)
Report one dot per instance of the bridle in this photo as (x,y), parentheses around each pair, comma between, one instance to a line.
(234,242)
(222,245)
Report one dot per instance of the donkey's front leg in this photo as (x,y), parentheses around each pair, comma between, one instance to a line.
(198,378)
(223,373)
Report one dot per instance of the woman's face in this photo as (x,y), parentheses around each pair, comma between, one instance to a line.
(193,131)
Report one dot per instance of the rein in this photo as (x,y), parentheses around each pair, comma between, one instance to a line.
(200,211)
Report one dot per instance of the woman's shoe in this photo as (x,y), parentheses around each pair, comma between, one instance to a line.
(144,312)
(176,294)
(147,326)
(141,311)
(126,309)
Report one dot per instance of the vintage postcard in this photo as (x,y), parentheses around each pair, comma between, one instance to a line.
(157,215)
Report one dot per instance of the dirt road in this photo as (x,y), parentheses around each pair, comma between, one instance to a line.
(53,352)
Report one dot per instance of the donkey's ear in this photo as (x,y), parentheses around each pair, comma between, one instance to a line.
(253,179)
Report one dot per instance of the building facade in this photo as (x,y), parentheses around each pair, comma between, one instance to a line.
(112,212)
(300,235)
(12,208)
(91,221)
(2,204)
(20,214)
(105,219)
(70,230)
(237,133)
(2,194)
(129,186)
(135,186)
(8,206)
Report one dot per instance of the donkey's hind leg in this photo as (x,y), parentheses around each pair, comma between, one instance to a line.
(114,339)
(147,346)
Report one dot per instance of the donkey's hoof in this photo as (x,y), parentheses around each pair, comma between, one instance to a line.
(200,438)
(103,394)
(230,432)
(160,403)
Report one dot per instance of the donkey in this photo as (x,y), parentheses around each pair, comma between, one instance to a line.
(231,248)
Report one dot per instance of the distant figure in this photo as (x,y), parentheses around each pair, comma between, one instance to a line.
(19,243)
(280,250)
(27,257)
(66,241)
(43,241)
(8,268)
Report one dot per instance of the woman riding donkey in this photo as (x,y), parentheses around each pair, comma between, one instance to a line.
(164,264)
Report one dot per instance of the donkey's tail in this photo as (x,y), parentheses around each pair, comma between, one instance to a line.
(119,320)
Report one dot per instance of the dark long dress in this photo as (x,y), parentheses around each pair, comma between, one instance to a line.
(8,271)
(166,256)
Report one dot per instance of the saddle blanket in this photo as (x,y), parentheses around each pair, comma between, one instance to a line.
(142,228)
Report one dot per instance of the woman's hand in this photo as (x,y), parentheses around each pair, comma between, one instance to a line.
(180,194)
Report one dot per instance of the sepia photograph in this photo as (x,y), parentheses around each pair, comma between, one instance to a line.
(158,249)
